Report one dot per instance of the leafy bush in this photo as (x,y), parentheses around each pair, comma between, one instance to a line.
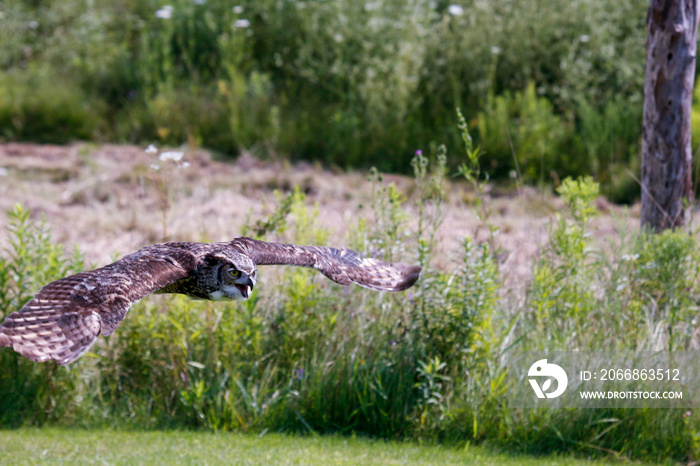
(177,115)
(523,133)
(351,84)
(31,393)
(611,135)
(41,108)
(642,297)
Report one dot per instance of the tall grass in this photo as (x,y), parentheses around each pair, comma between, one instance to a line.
(306,355)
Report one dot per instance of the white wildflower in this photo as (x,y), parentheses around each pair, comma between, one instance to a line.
(33,24)
(584,38)
(455,10)
(238,9)
(151,149)
(241,23)
(155,166)
(175,156)
(495,50)
(165,12)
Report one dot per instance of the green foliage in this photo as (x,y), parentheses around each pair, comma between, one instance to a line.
(586,296)
(454,308)
(579,196)
(612,145)
(554,86)
(31,393)
(390,219)
(431,194)
(523,133)
(695,135)
(657,282)
(472,172)
(173,115)
(562,298)
(31,260)
(38,107)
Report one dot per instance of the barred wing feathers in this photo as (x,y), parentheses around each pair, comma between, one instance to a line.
(66,316)
(343,266)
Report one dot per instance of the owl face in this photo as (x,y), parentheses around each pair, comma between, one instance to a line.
(235,277)
(237,283)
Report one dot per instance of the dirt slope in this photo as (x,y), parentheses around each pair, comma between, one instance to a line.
(105,199)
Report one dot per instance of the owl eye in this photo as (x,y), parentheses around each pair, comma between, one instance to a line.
(234,273)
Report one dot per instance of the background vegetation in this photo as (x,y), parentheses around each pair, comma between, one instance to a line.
(305,355)
(549,87)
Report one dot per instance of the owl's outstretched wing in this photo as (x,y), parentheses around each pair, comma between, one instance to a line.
(66,316)
(343,266)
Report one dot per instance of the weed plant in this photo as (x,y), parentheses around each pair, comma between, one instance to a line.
(306,355)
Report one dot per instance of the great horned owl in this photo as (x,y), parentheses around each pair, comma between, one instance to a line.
(66,316)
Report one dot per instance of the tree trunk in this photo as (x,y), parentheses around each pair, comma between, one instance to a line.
(668,91)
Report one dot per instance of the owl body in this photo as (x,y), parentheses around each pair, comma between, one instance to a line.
(66,316)
(210,273)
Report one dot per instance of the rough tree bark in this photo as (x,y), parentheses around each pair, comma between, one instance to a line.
(668,90)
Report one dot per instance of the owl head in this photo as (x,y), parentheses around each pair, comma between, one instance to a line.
(236,277)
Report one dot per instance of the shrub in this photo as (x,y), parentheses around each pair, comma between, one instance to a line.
(562,297)
(177,115)
(522,133)
(35,106)
(350,84)
(611,136)
(31,393)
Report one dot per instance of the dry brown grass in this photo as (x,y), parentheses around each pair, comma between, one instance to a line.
(103,198)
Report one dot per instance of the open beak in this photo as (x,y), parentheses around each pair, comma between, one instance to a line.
(245,288)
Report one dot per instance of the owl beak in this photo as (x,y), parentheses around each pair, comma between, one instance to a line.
(246,288)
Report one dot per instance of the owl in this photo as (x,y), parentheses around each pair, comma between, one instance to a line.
(66,316)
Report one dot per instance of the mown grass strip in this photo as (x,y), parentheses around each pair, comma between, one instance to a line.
(75,446)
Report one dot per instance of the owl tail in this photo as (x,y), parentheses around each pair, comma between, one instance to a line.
(41,333)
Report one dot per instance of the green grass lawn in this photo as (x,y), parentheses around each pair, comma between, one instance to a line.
(32,446)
